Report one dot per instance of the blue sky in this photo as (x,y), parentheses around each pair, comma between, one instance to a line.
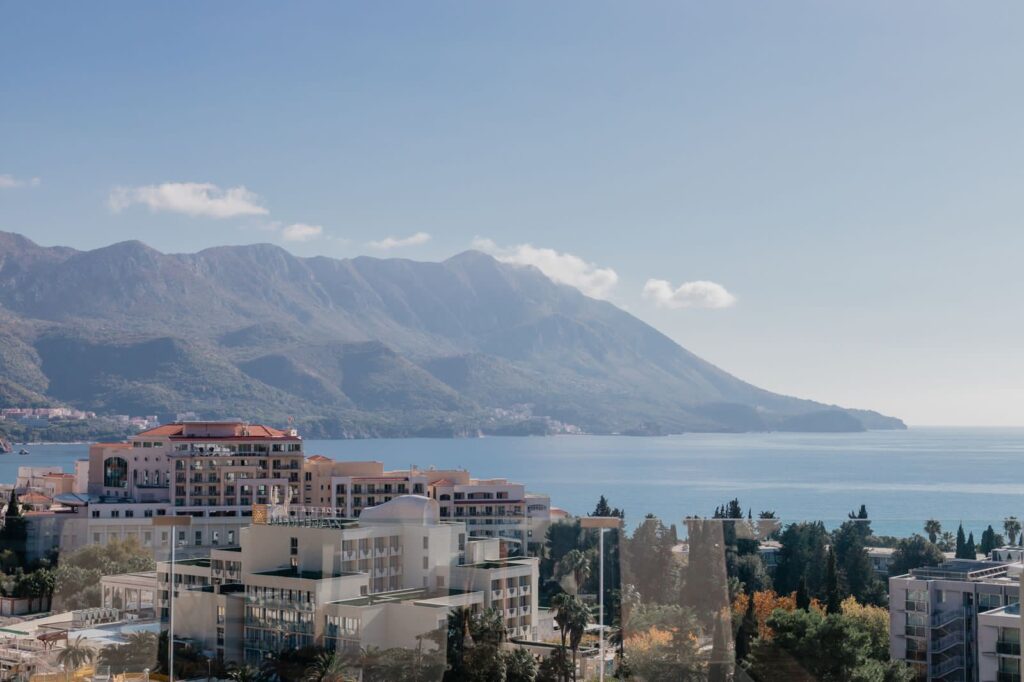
(827,196)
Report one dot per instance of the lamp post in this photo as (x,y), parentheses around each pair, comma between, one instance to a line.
(601,523)
(171,522)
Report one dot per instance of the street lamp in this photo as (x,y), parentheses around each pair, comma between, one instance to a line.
(171,522)
(602,523)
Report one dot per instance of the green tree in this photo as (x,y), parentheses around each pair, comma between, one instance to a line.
(746,633)
(807,645)
(933,528)
(961,543)
(1012,528)
(914,552)
(328,666)
(832,596)
(970,549)
(520,666)
(803,553)
(75,654)
(575,565)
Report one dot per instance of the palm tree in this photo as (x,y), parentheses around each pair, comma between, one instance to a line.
(576,564)
(1012,526)
(572,617)
(75,654)
(116,656)
(933,528)
(947,541)
(141,649)
(328,666)
(488,627)
(578,621)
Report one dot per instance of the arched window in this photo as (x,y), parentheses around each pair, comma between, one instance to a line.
(115,473)
(445,497)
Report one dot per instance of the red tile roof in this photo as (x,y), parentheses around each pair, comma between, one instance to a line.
(442,481)
(319,458)
(240,430)
(34,498)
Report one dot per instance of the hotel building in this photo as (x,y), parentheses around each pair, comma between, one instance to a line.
(490,508)
(387,579)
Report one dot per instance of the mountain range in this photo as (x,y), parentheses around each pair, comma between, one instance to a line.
(358,347)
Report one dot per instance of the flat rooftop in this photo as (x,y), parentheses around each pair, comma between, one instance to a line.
(963,569)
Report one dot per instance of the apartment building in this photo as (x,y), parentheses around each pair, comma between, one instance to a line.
(495,508)
(383,580)
(936,613)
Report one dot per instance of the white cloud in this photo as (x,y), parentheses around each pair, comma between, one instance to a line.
(399,242)
(8,181)
(191,198)
(301,232)
(564,268)
(697,294)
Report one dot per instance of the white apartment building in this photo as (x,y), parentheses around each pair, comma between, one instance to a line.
(936,615)
(384,580)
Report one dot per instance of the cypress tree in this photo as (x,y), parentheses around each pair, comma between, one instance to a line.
(803,599)
(747,631)
(832,599)
(961,542)
(970,550)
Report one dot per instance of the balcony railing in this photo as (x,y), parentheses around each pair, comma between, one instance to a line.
(1008,648)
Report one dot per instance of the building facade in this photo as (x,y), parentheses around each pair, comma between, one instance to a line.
(388,579)
(936,614)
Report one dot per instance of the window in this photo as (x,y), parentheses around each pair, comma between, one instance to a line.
(294,546)
(426,563)
(128,514)
(148,513)
(426,542)
(199,537)
(95,513)
(231,537)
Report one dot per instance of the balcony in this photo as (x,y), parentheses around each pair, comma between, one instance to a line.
(1007,677)
(1008,648)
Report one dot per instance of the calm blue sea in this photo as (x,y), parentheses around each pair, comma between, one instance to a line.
(904,477)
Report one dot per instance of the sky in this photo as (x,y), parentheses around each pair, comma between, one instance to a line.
(822,198)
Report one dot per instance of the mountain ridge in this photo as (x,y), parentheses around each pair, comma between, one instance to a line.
(359,346)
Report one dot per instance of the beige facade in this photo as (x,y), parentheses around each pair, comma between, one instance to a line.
(383,580)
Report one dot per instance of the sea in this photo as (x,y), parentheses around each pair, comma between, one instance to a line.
(973,476)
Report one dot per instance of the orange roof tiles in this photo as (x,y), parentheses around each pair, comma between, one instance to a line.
(240,430)
(319,458)
(34,498)
(442,481)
